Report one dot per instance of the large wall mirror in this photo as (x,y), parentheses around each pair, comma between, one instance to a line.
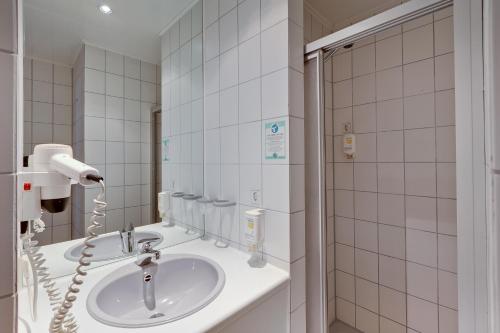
(122,84)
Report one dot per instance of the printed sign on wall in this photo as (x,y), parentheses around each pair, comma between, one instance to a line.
(275,140)
(165,150)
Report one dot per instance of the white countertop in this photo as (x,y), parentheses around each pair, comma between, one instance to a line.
(244,285)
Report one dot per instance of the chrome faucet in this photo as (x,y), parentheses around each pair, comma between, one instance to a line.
(146,253)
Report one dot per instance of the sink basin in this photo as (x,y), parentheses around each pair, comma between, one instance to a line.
(169,289)
(108,246)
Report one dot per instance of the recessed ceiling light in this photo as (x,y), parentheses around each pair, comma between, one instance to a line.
(105,9)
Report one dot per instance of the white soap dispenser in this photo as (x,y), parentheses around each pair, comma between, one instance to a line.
(254,234)
(349,142)
(165,206)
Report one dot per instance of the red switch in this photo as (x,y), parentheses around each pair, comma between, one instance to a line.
(27,186)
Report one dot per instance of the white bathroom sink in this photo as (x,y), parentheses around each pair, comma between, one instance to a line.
(169,289)
(108,246)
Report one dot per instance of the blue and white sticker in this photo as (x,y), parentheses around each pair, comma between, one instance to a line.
(275,139)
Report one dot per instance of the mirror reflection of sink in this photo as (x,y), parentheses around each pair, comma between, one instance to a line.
(169,289)
(109,246)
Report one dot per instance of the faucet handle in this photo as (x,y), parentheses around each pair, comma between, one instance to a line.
(147,242)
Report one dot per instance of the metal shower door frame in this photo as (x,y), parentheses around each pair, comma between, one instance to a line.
(315,180)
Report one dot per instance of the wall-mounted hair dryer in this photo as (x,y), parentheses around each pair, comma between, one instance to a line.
(46,181)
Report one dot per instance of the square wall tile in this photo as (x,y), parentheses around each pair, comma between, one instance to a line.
(341,117)
(448,320)
(391,209)
(42,92)
(344,258)
(95,58)
(365,176)
(367,295)
(249,59)
(250,143)
(298,283)
(344,178)
(421,247)
(363,60)
(392,273)
(445,144)
(248,19)
(344,203)
(211,44)
(422,281)
(445,72)
(365,118)
(366,236)
(390,326)
(229,69)
(341,66)
(345,286)
(342,94)
(391,241)
(275,97)
(420,179)
(250,101)
(445,107)
(43,71)
(420,145)
(421,213)
(388,52)
(344,231)
(446,180)
(297,235)
(274,44)
(391,178)
(365,206)
(419,111)
(276,180)
(389,84)
(114,63)
(447,216)
(346,311)
(363,89)
(418,44)
(448,289)
(228,29)
(366,321)
(393,305)
(447,253)
(443,36)
(418,309)
(366,265)
(390,146)
(366,148)
(419,77)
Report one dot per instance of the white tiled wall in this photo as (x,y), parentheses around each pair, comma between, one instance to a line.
(9,58)
(253,75)
(182,108)
(48,119)
(395,205)
(114,134)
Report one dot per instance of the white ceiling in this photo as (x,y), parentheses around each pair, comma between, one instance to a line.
(56,29)
(340,13)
